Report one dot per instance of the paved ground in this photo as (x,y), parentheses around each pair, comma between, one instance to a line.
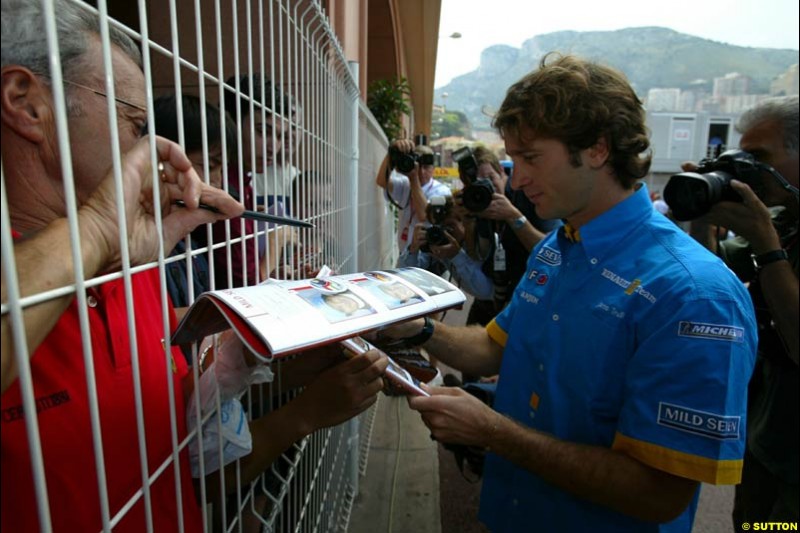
(413,486)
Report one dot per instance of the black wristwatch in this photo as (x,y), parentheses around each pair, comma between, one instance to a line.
(762,260)
(423,336)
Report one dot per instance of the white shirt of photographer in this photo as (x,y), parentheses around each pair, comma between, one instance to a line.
(401,194)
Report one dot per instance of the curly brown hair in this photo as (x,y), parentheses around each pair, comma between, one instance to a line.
(577,102)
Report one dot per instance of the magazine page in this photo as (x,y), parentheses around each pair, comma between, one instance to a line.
(281,317)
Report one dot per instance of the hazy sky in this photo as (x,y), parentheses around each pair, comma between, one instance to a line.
(482,23)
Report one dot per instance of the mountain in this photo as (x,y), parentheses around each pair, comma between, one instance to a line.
(650,57)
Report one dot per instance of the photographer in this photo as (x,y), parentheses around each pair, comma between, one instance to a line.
(436,246)
(764,254)
(502,228)
(406,175)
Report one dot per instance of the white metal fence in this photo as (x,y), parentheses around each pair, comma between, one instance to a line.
(324,174)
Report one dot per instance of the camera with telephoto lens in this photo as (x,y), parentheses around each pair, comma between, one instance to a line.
(437,211)
(404,162)
(477,192)
(692,194)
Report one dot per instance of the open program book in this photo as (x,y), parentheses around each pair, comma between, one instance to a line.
(278,318)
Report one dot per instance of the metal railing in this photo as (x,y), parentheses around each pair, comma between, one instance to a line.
(324,173)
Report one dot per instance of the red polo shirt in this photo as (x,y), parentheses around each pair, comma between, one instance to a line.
(62,403)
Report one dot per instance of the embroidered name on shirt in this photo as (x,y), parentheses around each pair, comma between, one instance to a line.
(631,287)
(711,331)
(700,422)
(549,256)
(528,297)
(44,403)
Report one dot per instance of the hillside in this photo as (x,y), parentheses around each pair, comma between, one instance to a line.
(651,57)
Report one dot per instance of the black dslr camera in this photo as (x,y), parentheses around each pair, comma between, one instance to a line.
(404,162)
(692,194)
(477,193)
(437,211)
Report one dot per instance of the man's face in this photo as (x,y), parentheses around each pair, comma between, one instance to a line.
(263,132)
(765,142)
(89,132)
(542,170)
(486,170)
(425,173)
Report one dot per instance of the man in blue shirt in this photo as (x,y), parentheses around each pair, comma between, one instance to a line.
(625,352)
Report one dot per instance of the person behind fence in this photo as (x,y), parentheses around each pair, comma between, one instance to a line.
(226,368)
(406,176)
(625,352)
(165,110)
(36,192)
(248,266)
(765,256)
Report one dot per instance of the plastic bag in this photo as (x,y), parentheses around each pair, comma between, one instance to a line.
(230,375)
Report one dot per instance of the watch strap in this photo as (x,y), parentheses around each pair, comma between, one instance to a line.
(423,336)
(762,260)
(519,222)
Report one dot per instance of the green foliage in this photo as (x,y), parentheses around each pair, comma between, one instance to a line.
(388,101)
(451,124)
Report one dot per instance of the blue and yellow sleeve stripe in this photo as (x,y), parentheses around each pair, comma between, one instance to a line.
(496,333)
(715,472)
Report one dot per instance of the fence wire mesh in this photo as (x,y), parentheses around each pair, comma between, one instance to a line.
(259,95)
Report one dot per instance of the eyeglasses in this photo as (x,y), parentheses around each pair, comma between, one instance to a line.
(100,93)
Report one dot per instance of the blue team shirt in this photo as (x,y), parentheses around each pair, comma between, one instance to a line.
(632,337)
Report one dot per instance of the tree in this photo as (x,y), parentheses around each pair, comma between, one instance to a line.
(388,101)
(451,124)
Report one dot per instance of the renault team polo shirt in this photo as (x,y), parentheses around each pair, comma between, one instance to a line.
(60,390)
(631,337)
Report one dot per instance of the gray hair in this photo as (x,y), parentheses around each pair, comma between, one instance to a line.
(24,40)
(784,110)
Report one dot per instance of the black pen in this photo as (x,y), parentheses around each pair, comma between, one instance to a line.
(256,215)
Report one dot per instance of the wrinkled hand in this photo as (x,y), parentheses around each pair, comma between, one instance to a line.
(750,218)
(455,416)
(342,392)
(446,251)
(179,181)
(501,208)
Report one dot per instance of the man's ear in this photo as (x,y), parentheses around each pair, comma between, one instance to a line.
(24,103)
(598,154)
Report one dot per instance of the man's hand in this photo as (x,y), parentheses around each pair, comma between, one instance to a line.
(342,392)
(455,416)
(501,208)
(307,366)
(403,145)
(446,251)
(750,218)
(179,181)
(419,238)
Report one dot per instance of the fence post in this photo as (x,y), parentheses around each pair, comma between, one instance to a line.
(354,159)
